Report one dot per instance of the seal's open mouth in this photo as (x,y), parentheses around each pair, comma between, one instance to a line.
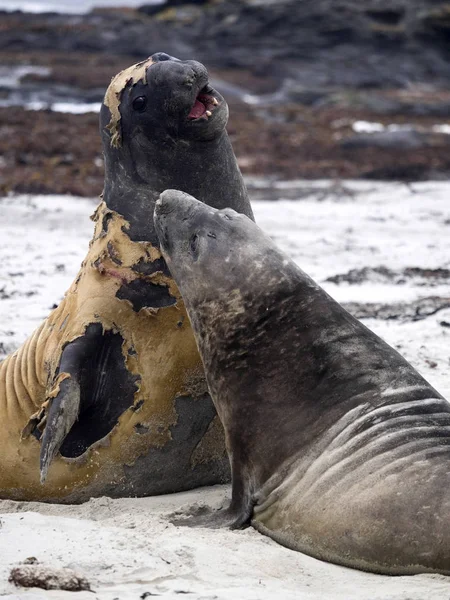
(204,104)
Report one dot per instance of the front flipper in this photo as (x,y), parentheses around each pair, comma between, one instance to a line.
(92,389)
(237,516)
(63,413)
(64,408)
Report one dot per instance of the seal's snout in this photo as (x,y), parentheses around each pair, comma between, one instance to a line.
(175,215)
(183,205)
(168,202)
(166,215)
(161,213)
(207,99)
(162,56)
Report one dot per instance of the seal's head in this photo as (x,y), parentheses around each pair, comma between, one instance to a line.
(160,99)
(197,240)
(208,252)
(163,126)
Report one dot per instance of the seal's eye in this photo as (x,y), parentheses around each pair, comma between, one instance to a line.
(140,103)
(194,245)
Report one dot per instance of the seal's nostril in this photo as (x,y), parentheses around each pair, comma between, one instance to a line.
(160,57)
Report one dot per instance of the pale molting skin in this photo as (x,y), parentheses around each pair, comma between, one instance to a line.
(161,124)
(338,447)
(108,396)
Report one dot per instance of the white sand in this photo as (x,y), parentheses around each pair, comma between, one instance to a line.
(127,548)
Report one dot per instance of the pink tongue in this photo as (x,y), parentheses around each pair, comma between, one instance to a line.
(197,110)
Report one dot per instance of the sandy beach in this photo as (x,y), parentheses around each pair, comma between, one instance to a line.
(370,245)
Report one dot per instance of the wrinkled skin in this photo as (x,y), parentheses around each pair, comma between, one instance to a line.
(338,447)
(108,396)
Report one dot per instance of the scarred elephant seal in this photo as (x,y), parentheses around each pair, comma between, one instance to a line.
(338,447)
(109,391)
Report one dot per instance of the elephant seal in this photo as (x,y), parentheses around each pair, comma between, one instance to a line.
(109,395)
(338,447)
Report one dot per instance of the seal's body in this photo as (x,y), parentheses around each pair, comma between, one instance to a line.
(338,447)
(109,392)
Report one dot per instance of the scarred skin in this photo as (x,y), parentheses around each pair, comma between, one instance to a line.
(338,447)
(108,396)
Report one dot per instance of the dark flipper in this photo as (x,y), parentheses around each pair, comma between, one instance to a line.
(237,516)
(62,415)
(89,402)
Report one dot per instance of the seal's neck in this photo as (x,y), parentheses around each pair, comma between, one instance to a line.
(206,170)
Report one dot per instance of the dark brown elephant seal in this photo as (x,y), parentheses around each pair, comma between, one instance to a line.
(338,447)
(108,396)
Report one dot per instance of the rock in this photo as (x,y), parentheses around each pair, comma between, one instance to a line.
(397,140)
(417,310)
(436,22)
(154,9)
(31,574)
(418,275)
(301,94)
(318,43)
(357,276)
(387,16)
(382,105)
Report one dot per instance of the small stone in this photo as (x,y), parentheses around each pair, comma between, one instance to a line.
(32,574)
